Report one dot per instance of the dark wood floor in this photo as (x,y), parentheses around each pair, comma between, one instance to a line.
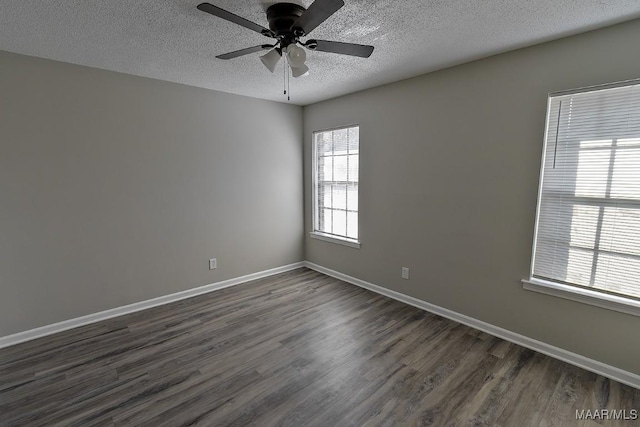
(297,349)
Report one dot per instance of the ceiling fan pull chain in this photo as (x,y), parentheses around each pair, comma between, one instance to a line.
(286,78)
(288,85)
(284,75)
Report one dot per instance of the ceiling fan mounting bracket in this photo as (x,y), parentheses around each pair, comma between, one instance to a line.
(282,16)
(311,44)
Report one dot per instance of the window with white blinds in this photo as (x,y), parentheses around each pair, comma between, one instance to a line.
(588,222)
(335,183)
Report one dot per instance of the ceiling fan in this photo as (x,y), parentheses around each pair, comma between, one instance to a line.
(288,23)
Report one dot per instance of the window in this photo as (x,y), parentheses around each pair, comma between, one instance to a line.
(335,185)
(588,220)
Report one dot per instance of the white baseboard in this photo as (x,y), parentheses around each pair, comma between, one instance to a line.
(595,366)
(600,368)
(31,334)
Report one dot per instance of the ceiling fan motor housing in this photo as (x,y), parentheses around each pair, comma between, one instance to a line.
(282,16)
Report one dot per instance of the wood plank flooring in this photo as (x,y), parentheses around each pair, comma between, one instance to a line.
(296,349)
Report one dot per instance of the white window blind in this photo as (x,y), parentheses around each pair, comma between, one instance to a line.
(335,187)
(588,222)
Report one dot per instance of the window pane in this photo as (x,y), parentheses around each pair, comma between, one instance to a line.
(340,168)
(352,225)
(615,272)
(593,169)
(324,143)
(340,223)
(578,268)
(340,196)
(354,139)
(584,223)
(352,197)
(626,174)
(621,231)
(340,141)
(354,164)
(325,168)
(326,221)
(325,195)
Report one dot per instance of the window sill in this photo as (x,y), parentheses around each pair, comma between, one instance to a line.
(599,299)
(332,239)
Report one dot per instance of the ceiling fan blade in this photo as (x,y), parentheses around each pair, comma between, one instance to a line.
(221,13)
(241,52)
(361,50)
(316,14)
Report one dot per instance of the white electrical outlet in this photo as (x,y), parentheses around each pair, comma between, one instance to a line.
(405,273)
(213,264)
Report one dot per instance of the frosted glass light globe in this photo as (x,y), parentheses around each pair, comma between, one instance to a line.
(296,55)
(300,71)
(270,60)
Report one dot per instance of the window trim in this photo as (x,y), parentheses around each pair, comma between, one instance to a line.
(593,88)
(335,239)
(596,298)
(540,179)
(586,296)
(342,240)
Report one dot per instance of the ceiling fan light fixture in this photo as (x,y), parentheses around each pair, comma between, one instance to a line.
(296,55)
(270,59)
(288,22)
(300,71)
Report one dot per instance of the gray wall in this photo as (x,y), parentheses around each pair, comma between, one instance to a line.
(115,189)
(448,185)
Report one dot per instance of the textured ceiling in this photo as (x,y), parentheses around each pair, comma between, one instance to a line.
(171,40)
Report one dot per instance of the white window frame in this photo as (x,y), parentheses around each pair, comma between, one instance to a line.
(562,290)
(315,233)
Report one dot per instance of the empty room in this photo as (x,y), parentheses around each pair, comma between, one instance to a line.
(320,213)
